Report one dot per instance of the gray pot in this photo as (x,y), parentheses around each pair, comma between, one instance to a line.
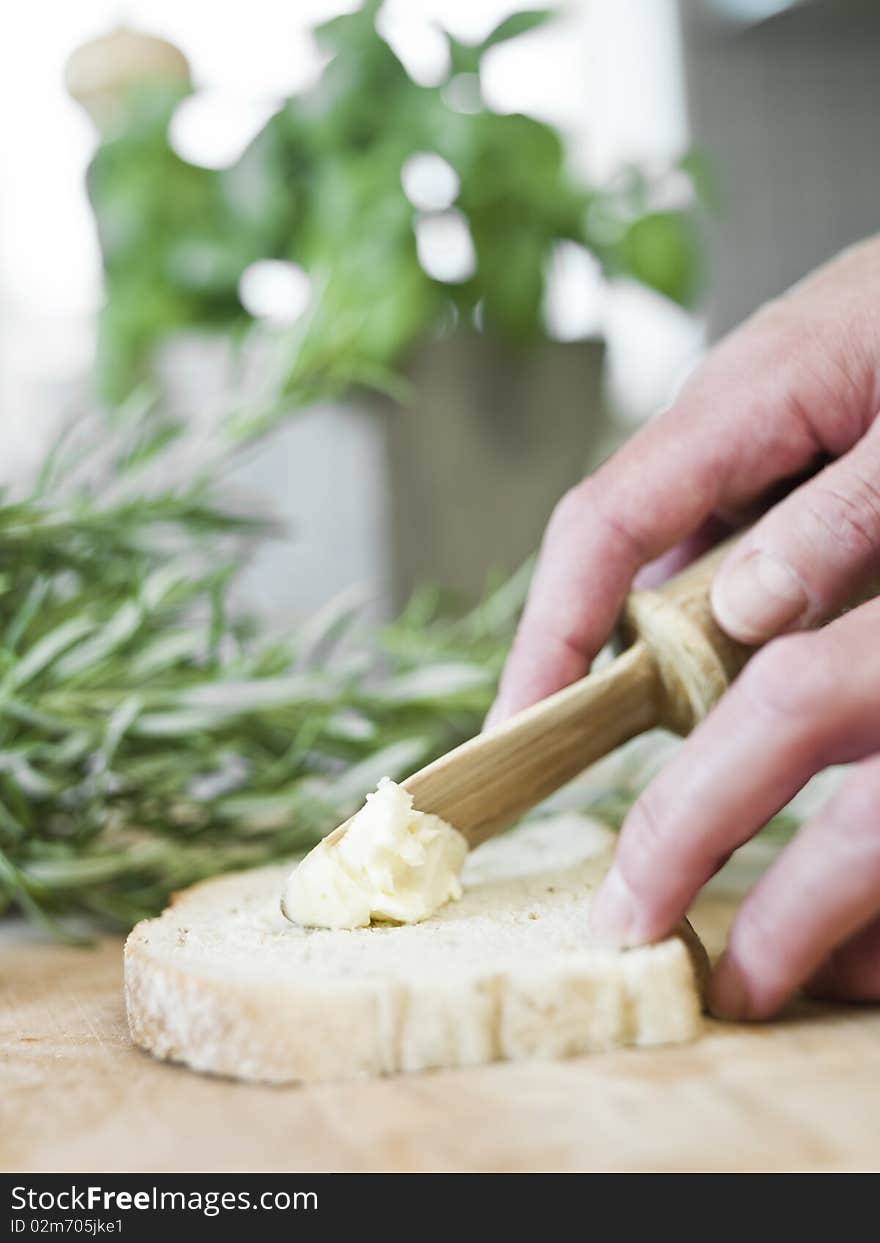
(491,441)
(384,497)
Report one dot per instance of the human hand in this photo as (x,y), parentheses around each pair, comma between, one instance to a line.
(796,385)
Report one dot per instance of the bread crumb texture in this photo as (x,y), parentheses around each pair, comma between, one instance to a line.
(225,984)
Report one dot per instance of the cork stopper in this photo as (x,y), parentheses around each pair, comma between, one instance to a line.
(696,660)
(99,73)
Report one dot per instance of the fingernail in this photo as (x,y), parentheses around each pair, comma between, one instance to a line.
(728,998)
(614,915)
(757,597)
(494,716)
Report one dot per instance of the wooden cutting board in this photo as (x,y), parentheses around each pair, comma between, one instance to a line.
(800,1094)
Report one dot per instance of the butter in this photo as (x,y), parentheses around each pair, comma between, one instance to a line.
(392,864)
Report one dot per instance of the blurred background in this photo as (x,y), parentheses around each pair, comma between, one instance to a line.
(433,257)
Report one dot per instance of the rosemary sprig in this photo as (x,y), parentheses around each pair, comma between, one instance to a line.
(150,736)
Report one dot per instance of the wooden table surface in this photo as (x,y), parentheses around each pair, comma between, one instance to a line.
(800,1094)
(76,1096)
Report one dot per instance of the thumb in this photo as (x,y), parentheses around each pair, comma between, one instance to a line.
(808,555)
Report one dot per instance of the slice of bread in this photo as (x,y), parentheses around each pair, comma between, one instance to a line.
(222,982)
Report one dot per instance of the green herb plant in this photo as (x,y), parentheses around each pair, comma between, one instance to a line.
(321,185)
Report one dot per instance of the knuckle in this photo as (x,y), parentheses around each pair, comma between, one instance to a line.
(823,372)
(622,534)
(590,505)
(781,333)
(777,324)
(849,517)
(568,514)
(787,679)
